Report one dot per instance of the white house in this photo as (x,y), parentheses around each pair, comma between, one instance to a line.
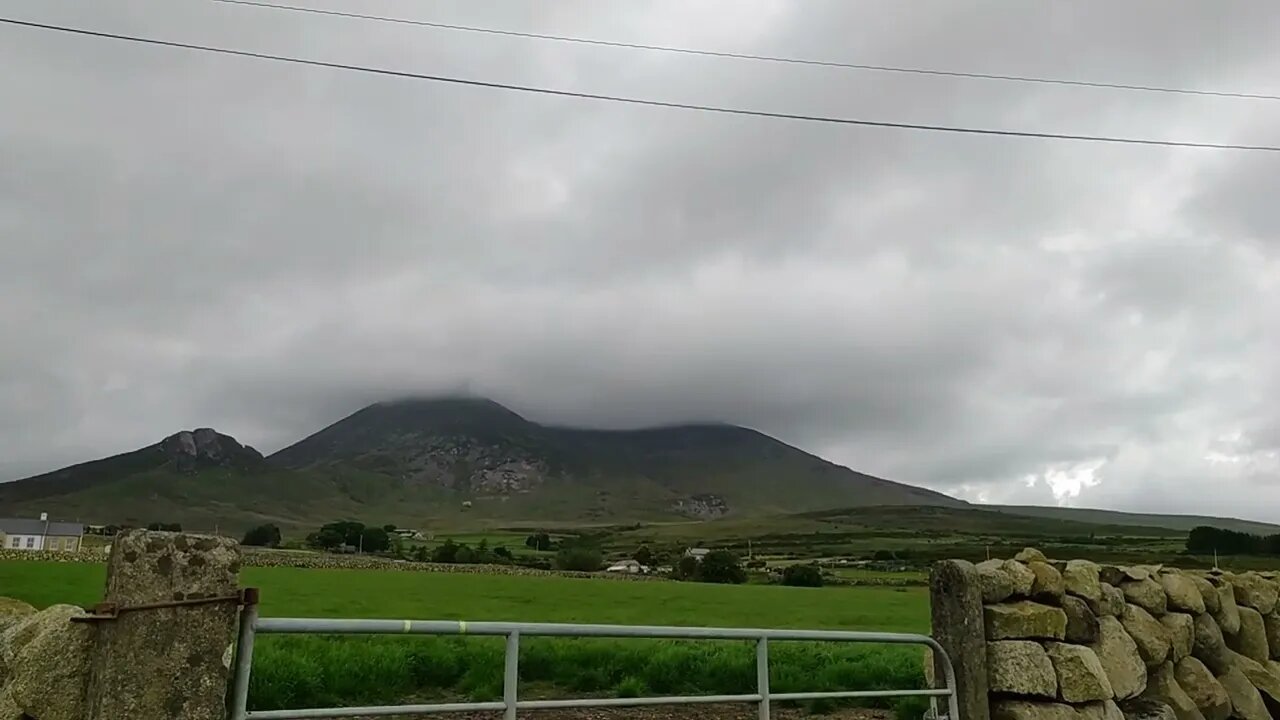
(42,534)
(696,553)
(628,567)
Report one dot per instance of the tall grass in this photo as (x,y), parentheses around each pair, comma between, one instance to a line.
(317,671)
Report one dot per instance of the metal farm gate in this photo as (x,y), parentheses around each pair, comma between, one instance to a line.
(251,625)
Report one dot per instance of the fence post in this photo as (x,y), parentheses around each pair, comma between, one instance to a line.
(244,656)
(762,676)
(955,598)
(511,675)
(165,663)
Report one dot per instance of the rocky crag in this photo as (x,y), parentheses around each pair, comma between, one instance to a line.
(190,450)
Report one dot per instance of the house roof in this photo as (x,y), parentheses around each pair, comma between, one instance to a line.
(27,526)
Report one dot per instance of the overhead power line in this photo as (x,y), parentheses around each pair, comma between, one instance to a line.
(750,56)
(634,100)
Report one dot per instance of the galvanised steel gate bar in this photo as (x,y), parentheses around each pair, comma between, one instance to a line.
(251,625)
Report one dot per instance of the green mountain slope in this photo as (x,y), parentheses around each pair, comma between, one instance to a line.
(1174,522)
(186,451)
(202,500)
(870,526)
(201,478)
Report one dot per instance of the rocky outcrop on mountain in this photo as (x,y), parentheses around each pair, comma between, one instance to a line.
(702,507)
(192,450)
(459,462)
(476,446)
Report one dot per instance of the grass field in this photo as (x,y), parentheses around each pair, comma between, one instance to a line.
(910,577)
(299,671)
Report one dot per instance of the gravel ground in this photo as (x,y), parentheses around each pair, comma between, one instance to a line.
(734,711)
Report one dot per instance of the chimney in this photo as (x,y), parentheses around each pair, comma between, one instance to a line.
(44,517)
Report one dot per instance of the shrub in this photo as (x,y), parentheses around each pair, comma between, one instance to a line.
(686,568)
(534,563)
(464,554)
(326,539)
(717,566)
(580,558)
(721,566)
(262,536)
(910,708)
(446,553)
(374,540)
(643,555)
(350,531)
(538,541)
(631,686)
(802,576)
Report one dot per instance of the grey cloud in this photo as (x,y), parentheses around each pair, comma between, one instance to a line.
(194,240)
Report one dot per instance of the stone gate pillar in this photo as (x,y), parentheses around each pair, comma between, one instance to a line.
(170,662)
(955,599)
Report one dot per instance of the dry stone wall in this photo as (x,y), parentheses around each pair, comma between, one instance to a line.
(44,662)
(254,557)
(1074,640)
(94,555)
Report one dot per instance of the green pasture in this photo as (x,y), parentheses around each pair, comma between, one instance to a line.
(310,670)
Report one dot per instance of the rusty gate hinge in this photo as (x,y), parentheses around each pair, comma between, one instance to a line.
(111,611)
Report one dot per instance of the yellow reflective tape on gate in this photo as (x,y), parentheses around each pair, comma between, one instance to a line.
(462,627)
(407,625)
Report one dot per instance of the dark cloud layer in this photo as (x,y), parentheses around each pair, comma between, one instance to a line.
(190,240)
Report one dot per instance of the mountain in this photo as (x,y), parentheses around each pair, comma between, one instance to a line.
(485,454)
(464,462)
(456,460)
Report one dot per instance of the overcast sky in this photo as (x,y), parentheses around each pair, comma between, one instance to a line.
(197,240)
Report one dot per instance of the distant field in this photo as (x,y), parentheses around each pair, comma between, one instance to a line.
(310,671)
(913,536)
(871,576)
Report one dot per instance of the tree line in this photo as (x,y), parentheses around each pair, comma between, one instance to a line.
(335,536)
(351,534)
(1204,540)
(579,553)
